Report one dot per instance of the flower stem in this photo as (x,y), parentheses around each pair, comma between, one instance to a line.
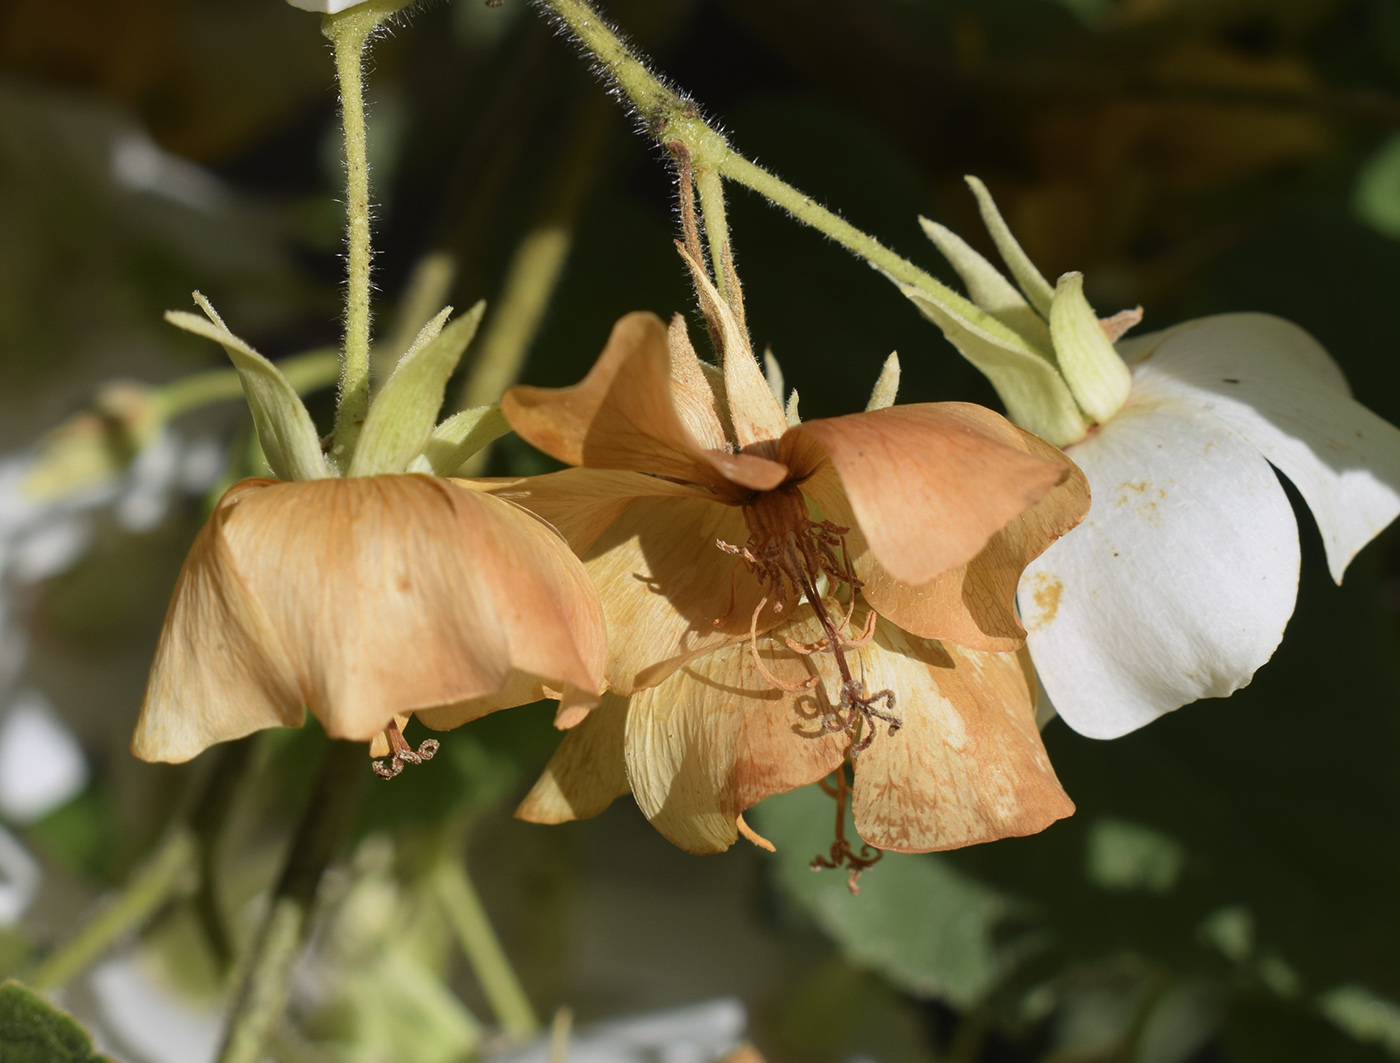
(672,119)
(711,189)
(267,979)
(173,869)
(484,952)
(349,32)
(168,872)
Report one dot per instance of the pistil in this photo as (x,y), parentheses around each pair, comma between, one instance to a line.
(789,552)
(402,752)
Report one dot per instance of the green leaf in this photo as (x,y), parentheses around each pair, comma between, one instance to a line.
(918,921)
(1031,280)
(458,438)
(1035,395)
(989,289)
(401,419)
(34,1031)
(886,388)
(1098,378)
(284,428)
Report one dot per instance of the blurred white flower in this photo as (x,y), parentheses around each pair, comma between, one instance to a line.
(41,764)
(150,1020)
(19,879)
(697,1033)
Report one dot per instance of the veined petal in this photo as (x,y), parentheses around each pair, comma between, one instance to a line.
(587,772)
(930,484)
(395,593)
(668,591)
(967,764)
(973,605)
(622,415)
(581,503)
(1275,385)
(220,671)
(1179,583)
(717,737)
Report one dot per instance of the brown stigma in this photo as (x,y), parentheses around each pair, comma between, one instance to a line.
(789,553)
(402,752)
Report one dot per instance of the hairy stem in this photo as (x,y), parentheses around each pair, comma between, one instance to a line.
(672,119)
(349,32)
(267,978)
(711,189)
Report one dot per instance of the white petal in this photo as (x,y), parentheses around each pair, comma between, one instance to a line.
(1178,584)
(1274,384)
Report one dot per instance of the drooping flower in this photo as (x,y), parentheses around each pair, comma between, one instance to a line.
(754,646)
(1180,583)
(365,597)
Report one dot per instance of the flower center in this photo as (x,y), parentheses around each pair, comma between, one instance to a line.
(789,553)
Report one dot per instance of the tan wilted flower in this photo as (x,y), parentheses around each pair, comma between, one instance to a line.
(370,595)
(781,599)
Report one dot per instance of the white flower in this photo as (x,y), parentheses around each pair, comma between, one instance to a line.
(1179,583)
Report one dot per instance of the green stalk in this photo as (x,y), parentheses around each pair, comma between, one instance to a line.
(711,189)
(349,32)
(671,119)
(478,939)
(267,980)
(169,872)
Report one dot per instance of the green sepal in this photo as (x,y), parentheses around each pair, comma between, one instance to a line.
(284,427)
(401,418)
(989,289)
(458,438)
(886,388)
(34,1031)
(1033,392)
(1096,375)
(1031,280)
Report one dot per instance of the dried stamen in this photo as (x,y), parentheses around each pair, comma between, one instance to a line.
(403,753)
(841,853)
(789,553)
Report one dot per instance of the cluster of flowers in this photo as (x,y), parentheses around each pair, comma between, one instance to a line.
(729,603)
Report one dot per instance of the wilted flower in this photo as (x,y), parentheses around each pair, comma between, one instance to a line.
(371,595)
(1181,581)
(762,645)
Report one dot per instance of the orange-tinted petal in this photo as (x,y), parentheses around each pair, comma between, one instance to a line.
(398,593)
(220,671)
(930,484)
(974,604)
(967,765)
(718,736)
(622,415)
(581,503)
(587,771)
(668,591)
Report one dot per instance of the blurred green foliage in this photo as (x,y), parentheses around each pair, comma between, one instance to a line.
(1226,890)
